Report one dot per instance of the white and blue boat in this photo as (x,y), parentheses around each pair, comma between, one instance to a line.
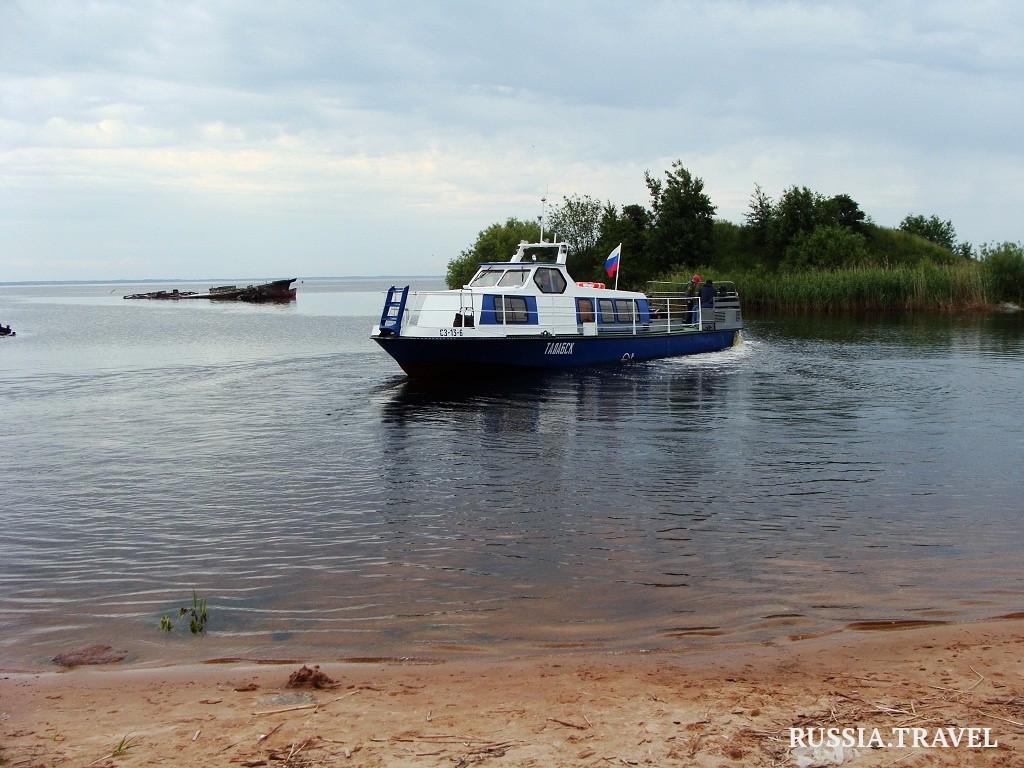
(528,313)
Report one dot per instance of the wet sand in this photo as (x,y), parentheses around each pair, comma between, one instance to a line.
(701,708)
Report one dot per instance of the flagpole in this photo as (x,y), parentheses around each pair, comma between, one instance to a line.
(618,268)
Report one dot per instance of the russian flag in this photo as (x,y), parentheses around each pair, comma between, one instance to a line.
(611,264)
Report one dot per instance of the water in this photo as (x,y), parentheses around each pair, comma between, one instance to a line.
(828,471)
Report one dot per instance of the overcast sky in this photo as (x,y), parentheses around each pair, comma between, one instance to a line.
(240,138)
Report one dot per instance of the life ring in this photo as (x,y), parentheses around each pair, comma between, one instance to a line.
(586,284)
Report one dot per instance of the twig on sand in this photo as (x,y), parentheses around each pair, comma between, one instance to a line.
(985,713)
(901,759)
(444,738)
(268,734)
(288,709)
(694,746)
(569,724)
(295,750)
(306,706)
(473,750)
(968,689)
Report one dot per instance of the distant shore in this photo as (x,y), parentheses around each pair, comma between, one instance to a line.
(926,685)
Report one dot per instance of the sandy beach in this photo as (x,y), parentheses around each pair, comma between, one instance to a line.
(920,695)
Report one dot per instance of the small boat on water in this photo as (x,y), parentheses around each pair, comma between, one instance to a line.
(174,294)
(528,313)
(6,330)
(276,290)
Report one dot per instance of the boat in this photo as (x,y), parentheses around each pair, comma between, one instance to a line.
(276,290)
(528,313)
(173,294)
(6,330)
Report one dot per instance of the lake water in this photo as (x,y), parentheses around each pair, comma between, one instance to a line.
(828,471)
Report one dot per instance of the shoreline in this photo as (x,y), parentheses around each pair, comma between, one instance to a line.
(703,707)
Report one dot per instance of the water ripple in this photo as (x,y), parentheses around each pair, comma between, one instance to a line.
(277,464)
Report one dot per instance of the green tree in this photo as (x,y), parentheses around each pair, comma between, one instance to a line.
(578,222)
(734,247)
(683,217)
(753,245)
(964,250)
(931,228)
(496,243)
(798,211)
(796,215)
(628,227)
(843,211)
(759,217)
(828,246)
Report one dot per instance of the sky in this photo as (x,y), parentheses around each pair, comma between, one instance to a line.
(296,138)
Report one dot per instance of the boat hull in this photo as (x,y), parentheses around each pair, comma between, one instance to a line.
(433,357)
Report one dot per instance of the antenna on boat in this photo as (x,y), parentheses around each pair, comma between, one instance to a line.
(543,213)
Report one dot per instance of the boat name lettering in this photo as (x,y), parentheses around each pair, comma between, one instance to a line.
(451,331)
(558,348)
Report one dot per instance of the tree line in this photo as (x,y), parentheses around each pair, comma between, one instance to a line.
(801,231)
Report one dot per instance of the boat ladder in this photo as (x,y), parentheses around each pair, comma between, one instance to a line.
(394,308)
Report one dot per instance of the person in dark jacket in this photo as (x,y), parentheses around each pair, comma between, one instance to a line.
(707,295)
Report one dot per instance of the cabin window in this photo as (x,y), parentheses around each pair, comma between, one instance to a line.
(584,310)
(513,278)
(617,311)
(625,311)
(643,309)
(549,281)
(499,310)
(548,252)
(511,309)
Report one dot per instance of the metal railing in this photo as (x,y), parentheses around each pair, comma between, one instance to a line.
(463,309)
(724,289)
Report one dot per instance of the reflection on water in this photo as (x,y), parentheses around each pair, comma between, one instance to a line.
(828,471)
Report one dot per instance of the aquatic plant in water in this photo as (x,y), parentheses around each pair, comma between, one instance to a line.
(908,288)
(196,614)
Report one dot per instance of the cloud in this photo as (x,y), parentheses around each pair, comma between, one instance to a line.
(373,133)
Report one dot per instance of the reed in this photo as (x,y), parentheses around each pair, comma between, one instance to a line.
(924,287)
(197,616)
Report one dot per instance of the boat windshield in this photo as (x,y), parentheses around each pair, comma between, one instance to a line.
(507,278)
(514,278)
(488,277)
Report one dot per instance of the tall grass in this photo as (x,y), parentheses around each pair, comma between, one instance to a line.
(925,287)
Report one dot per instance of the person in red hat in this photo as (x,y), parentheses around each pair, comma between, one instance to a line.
(691,292)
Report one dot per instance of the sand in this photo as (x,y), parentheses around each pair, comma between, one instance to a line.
(718,707)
